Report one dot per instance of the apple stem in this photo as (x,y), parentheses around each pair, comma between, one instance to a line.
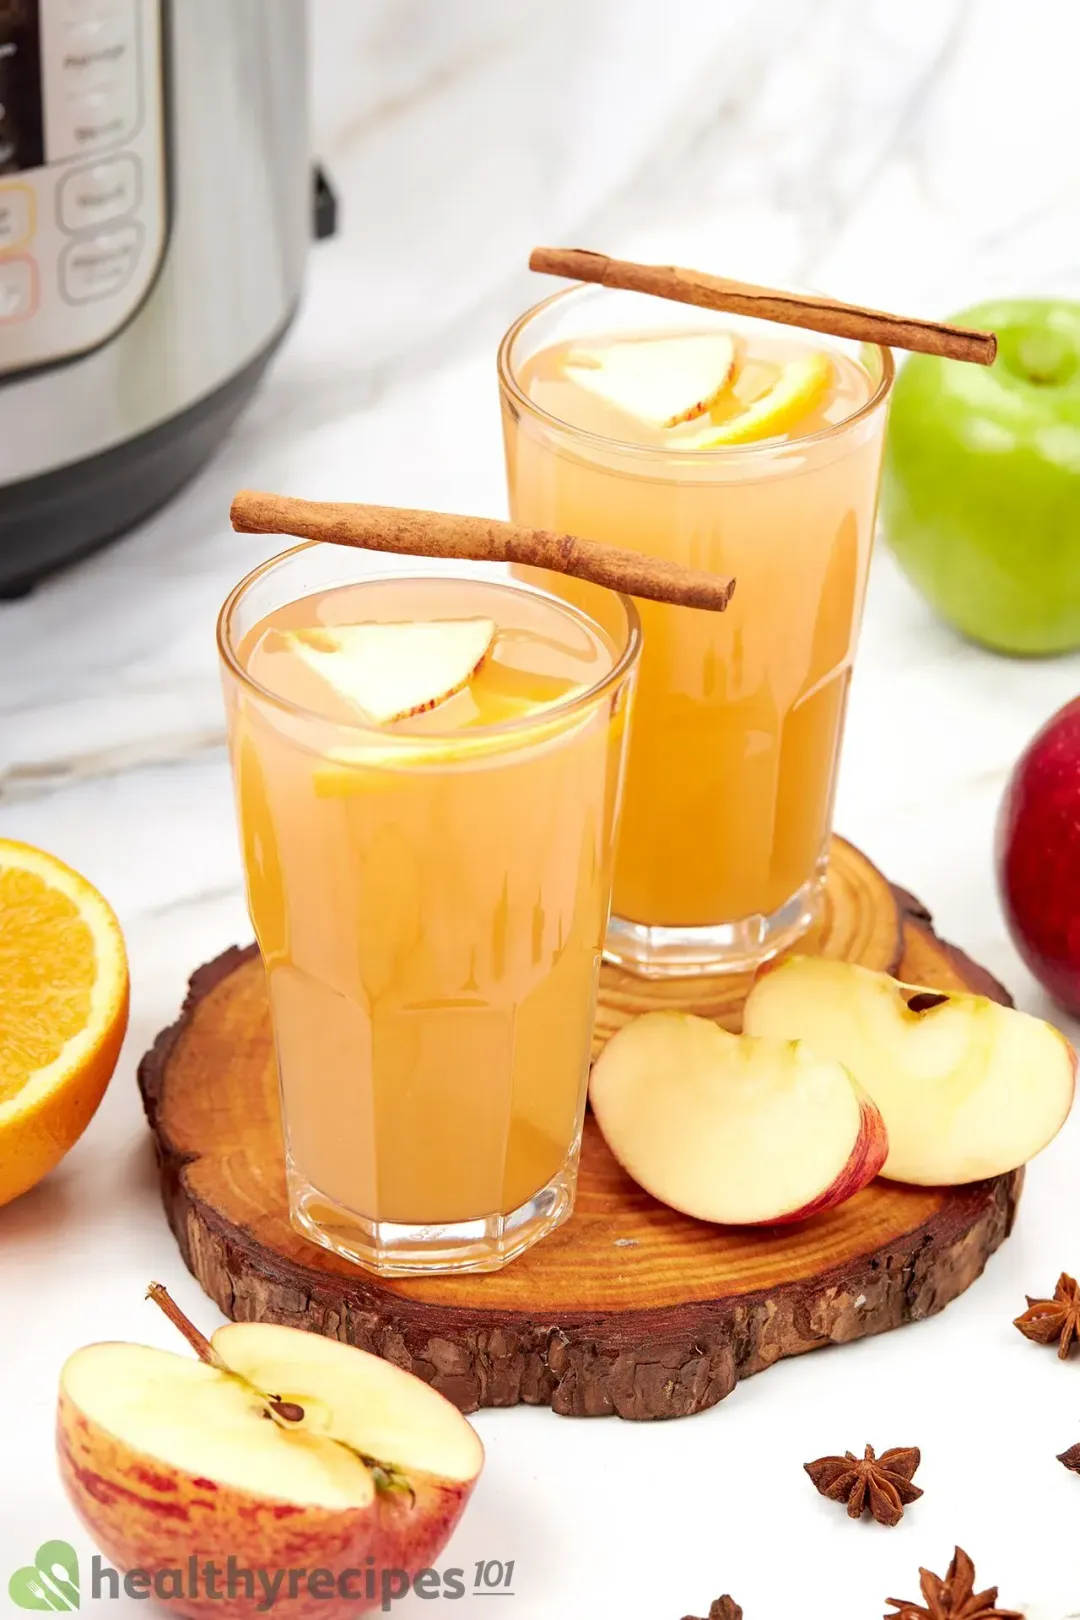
(288,1412)
(198,1341)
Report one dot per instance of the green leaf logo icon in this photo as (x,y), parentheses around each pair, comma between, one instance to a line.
(50,1582)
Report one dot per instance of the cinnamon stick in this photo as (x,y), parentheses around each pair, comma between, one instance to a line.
(477,539)
(769,304)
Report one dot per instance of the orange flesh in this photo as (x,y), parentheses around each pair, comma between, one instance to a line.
(48,966)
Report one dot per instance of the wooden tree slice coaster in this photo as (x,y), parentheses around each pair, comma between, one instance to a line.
(859,922)
(630,1308)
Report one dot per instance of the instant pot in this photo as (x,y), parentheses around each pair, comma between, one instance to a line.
(155,211)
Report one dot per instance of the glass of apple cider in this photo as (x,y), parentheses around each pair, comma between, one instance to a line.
(427,768)
(754,450)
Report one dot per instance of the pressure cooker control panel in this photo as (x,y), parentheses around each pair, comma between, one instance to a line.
(82,172)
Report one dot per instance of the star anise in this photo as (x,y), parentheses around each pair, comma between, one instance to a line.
(1059,1318)
(1071,1459)
(953,1598)
(882,1484)
(724,1608)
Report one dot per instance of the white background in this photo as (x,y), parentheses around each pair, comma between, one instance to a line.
(917,157)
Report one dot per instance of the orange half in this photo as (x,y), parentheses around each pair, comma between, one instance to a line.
(63,1011)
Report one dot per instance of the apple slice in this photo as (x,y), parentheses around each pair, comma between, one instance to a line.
(967,1088)
(391,671)
(798,389)
(728,1129)
(663,381)
(286,1451)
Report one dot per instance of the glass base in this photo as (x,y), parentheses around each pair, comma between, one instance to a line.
(394,1249)
(735,947)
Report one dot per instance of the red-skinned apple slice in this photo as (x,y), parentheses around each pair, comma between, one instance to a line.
(967,1088)
(728,1129)
(393,670)
(288,1451)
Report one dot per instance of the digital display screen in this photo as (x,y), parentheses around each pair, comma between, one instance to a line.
(22,135)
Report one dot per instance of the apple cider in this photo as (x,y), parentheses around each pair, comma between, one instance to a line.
(754,451)
(427,773)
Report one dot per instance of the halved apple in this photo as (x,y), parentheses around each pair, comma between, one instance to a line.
(290,1452)
(663,381)
(800,387)
(394,670)
(733,1130)
(967,1088)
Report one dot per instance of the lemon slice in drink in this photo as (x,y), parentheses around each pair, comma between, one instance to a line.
(361,768)
(801,386)
(367,765)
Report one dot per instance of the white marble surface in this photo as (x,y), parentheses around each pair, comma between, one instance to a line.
(916,156)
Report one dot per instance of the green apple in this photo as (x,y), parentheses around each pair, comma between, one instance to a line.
(981,489)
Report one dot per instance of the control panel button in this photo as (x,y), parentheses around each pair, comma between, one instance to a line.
(98,194)
(96,266)
(18,290)
(91,76)
(16,216)
(99,118)
(97,50)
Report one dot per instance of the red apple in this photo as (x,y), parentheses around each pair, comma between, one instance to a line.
(1038,856)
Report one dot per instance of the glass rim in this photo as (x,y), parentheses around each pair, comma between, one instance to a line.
(761,451)
(431,742)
